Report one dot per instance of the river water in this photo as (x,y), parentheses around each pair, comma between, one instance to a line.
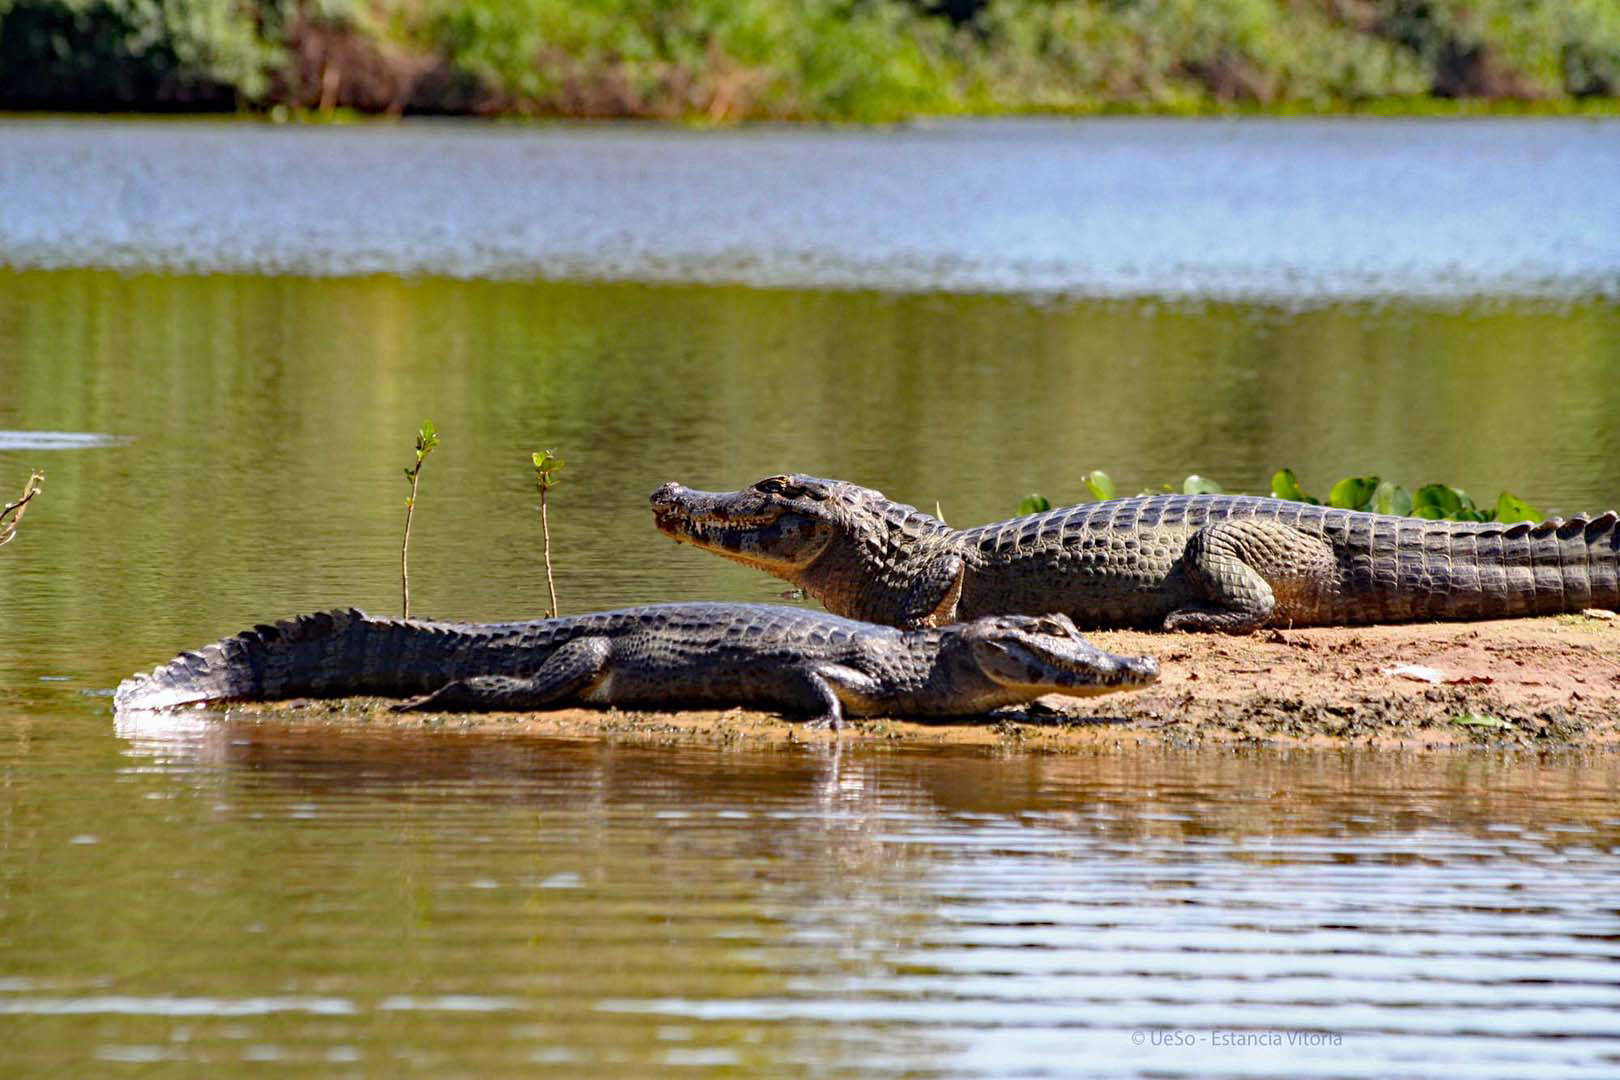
(218,340)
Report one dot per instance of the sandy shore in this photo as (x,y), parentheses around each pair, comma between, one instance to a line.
(1526,682)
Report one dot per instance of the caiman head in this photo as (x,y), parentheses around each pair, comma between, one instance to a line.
(859,553)
(780,525)
(1034,655)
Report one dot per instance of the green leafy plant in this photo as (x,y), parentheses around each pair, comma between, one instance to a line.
(13,512)
(1285,485)
(1391,498)
(1353,492)
(427,438)
(1367,493)
(1033,504)
(546,467)
(1438,502)
(1100,484)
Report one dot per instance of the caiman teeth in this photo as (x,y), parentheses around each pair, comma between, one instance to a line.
(675,519)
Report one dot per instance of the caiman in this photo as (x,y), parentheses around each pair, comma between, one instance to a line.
(662,656)
(1182,562)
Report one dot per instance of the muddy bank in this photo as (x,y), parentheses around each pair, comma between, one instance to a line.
(1528,683)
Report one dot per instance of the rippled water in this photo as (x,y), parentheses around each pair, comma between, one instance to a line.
(465,905)
(1291,210)
(222,897)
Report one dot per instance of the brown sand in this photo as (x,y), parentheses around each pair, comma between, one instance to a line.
(1526,682)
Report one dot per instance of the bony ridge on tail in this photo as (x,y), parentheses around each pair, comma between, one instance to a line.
(661,656)
(1181,562)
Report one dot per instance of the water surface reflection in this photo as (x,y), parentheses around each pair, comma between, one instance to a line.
(472,901)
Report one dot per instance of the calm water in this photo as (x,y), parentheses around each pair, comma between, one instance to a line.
(214,897)
(1291,209)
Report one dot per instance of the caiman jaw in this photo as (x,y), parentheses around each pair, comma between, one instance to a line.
(1047,653)
(772,537)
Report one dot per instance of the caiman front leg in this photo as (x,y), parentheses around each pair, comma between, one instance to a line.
(1238,567)
(932,600)
(565,674)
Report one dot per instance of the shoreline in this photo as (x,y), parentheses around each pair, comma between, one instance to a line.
(1532,684)
(1416,108)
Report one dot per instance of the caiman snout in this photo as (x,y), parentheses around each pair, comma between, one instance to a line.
(666,495)
(667,504)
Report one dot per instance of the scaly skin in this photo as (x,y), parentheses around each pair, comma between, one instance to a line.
(1192,562)
(661,656)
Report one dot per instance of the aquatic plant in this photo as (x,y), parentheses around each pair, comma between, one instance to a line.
(546,467)
(1032,503)
(1439,502)
(13,512)
(427,437)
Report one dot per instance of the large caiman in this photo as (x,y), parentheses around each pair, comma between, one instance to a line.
(661,656)
(1181,562)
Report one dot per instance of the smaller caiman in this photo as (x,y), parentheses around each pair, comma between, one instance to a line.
(662,656)
(1181,562)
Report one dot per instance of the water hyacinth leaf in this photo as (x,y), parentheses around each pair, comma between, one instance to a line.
(1285,485)
(1467,511)
(1437,502)
(1200,485)
(1510,508)
(1391,498)
(1100,484)
(1353,493)
(1033,504)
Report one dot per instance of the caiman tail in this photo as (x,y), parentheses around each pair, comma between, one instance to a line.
(1532,569)
(326,654)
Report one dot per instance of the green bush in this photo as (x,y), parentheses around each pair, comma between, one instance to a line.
(862,60)
(1182,52)
(724,59)
(130,53)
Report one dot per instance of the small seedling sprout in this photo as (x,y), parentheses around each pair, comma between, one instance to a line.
(546,467)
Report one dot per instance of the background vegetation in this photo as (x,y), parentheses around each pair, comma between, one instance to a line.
(864,60)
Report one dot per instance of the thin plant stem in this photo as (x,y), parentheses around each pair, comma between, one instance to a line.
(426,439)
(14,511)
(545,535)
(405,547)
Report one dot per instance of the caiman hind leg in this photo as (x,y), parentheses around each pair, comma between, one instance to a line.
(820,687)
(566,674)
(1250,572)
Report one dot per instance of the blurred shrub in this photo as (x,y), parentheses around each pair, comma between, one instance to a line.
(1175,52)
(720,59)
(130,53)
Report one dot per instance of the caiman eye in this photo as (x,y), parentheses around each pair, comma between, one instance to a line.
(772,485)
